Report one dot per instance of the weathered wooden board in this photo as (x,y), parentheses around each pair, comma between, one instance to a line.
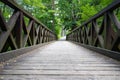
(61,60)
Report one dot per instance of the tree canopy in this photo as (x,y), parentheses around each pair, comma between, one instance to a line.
(63,14)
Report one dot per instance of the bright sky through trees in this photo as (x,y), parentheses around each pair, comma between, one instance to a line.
(63,14)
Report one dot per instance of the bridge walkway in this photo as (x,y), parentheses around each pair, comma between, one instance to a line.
(61,60)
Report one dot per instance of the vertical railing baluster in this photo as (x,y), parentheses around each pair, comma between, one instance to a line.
(102,30)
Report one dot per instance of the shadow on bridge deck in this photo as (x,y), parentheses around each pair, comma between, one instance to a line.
(61,60)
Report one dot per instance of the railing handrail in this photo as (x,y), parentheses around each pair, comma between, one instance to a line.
(13,5)
(110,7)
(21,29)
(101,32)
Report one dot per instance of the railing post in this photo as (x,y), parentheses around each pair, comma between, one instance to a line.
(17,33)
(102,31)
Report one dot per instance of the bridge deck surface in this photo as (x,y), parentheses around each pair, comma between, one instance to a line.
(61,60)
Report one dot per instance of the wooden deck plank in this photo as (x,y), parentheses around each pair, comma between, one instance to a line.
(61,60)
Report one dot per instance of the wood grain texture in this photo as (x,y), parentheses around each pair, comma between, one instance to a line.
(61,60)
(101,30)
(17,33)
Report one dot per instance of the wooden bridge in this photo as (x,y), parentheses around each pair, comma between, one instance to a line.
(32,52)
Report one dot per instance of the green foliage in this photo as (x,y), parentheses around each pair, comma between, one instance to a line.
(59,14)
(87,12)
(6,10)
(75,12)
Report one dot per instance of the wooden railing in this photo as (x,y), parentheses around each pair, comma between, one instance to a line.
(101,31)
(15,34)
